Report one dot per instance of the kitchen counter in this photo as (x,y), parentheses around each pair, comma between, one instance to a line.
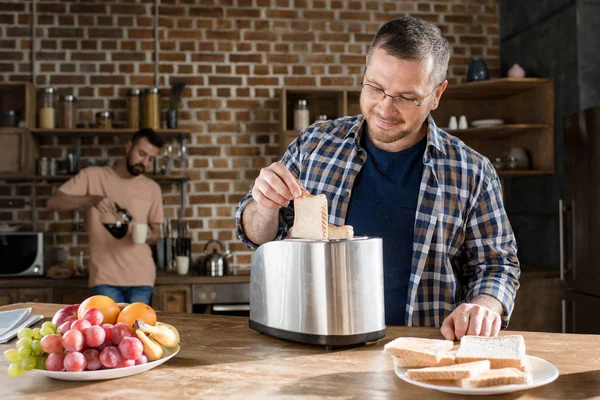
(162,278)
(221,357)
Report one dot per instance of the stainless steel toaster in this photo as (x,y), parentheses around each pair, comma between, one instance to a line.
(319,292)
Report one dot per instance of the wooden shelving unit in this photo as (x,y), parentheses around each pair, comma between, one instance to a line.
(64,178)
(525,104)
(81,132)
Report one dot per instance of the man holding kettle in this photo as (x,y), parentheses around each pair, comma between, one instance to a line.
(119,268)
(449,253)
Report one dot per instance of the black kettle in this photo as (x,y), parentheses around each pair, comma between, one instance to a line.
(216,263)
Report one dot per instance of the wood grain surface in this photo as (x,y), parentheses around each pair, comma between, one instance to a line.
(221,357)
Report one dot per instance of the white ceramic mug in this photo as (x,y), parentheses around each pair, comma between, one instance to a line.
(462,122)
(140,233)
(452,125)
(183,265)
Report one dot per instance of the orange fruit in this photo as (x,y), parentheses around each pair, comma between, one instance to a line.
(136,311)
(105,304)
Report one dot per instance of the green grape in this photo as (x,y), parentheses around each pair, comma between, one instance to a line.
(15,370)
(36,348)
(24,351)
(40,362)
(25,342)
(25,332)
(48,326)
(28,363)
(35,334)
(46,330)
(11,355)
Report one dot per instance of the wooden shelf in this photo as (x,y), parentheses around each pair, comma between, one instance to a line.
(493,88)
(496,132)
(105,132)
(64,178)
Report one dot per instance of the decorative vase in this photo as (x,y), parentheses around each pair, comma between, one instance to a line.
(516,71)
(477,71)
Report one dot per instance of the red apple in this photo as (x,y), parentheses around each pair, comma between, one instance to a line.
(67,313)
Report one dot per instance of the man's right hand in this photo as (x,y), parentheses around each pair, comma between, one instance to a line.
(104,204)
(275,187)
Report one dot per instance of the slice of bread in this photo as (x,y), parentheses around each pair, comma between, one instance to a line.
(340,232)
(418,352)
(503,351)
(457,371)
(310,217)
(496,377)
(417,360)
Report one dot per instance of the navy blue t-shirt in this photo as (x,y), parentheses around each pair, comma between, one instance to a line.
(383,204)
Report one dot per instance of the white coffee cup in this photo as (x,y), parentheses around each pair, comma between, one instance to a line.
(452,124)
(462,122)
(183,265)
(140,233)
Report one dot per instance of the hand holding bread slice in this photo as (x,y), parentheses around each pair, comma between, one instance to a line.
(311,217)
(479,361)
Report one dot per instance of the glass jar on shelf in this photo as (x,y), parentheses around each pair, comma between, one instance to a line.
(513,163)
(301,115)
(69,112)
(47,118)
(498,164)
(133,109)
(152,108)
(104,120)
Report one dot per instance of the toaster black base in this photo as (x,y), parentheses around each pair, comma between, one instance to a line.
(321,340)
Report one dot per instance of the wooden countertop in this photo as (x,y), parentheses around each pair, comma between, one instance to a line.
(161,279)
(221,357)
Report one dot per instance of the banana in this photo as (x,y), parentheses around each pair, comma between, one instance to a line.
(165,334)
(152,349)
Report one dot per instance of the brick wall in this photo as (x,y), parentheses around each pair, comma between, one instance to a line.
(234,55)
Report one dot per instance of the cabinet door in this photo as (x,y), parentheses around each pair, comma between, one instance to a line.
(173,299)
(18,156)
(538,305)
(36,295)
(8,296)
(71,295)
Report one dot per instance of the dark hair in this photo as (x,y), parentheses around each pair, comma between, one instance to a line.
(414,39)
(154,138)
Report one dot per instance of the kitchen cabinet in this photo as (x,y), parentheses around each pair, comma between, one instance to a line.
(37,295)
(9,296)
(20,98)
(19,152)
(71,295)
(172,298)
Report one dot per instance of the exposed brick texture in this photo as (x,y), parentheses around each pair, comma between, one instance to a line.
(234,56)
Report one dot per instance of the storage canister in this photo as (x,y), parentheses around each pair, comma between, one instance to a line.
(104,120)
(152,109)
(48,109)
(301,116)
(133,109)
(69,112)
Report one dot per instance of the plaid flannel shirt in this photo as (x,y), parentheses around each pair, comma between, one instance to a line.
(463,242)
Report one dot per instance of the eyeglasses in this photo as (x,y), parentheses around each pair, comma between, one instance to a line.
(401,102)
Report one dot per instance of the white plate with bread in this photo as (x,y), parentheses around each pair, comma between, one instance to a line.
(480,366)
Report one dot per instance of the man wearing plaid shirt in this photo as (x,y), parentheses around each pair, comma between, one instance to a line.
(450,256)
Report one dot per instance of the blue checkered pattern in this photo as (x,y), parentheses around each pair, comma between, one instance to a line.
(464,245)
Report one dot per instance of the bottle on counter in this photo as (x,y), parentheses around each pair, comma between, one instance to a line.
(52,166)
(301,115)
(47,119)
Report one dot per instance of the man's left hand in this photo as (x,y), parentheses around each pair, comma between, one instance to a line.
(479,318)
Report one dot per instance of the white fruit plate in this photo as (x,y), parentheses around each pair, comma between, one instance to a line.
(110,373)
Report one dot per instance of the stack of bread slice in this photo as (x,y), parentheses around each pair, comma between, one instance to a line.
(311,220)
(478,362)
